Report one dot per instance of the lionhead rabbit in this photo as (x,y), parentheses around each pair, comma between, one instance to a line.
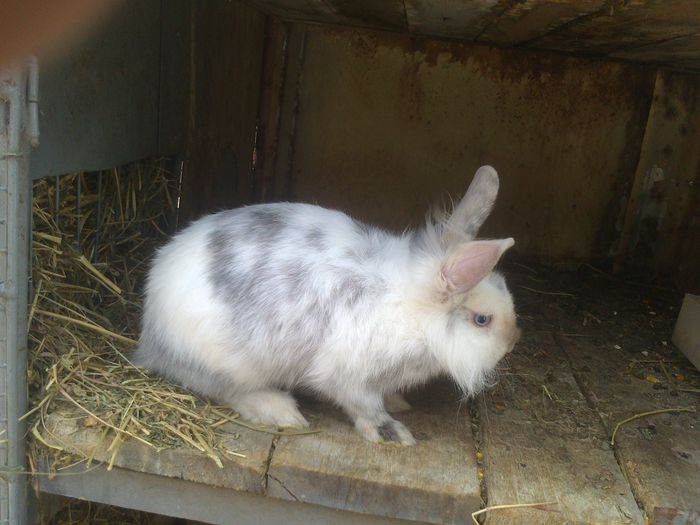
(245,305)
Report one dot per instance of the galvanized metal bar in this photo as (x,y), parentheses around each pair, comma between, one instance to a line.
(14,240)
(33,101)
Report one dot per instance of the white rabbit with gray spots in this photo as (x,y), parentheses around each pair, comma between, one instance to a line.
(246,305)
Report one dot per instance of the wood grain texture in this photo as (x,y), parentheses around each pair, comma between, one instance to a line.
(66,429)
(543,443)
(225,92)
(595,352)
(367,13)
(275,60)
(661,453)
(616,337)
(639,30)
(522,21)
(388,14)
(664,199)
(449,18)
(434,481)
(682,52)
(193,501)
(621,26)
(174,98)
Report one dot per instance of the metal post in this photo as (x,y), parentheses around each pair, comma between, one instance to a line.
(14,266)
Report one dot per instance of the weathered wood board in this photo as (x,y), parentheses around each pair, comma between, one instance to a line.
(659,453)
(367,13)
(526,20)
(595,352)
(451,18)
(543,443)
(620,26)
(617,338)
(224,96)
(194,501)
(662,204)
(67,430)
(675,51)
(641,30)
(434,481)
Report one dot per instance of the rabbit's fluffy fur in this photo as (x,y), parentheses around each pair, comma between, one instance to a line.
(245,305)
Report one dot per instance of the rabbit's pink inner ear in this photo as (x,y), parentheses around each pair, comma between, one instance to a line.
(472,262)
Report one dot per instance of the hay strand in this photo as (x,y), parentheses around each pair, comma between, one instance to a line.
(646,414)
(538,506)
(83,321)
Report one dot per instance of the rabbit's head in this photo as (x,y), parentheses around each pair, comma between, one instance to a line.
(474,324)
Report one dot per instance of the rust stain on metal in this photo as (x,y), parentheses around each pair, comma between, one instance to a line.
(392,123)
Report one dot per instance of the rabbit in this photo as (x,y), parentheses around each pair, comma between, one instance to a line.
(245,305)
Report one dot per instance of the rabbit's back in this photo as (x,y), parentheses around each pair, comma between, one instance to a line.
(263,288)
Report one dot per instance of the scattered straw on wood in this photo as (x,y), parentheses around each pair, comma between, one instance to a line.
(646,414)
(88,270)
(539,506)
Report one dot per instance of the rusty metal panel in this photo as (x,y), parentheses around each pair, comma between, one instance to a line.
(387,125)
(99,101)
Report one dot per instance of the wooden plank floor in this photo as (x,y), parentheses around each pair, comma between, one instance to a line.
(434,481)
(543,443)
(595,352)
(627,366)
(66,429)
(594,338)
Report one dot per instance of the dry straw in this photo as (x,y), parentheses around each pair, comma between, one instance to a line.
(93,236)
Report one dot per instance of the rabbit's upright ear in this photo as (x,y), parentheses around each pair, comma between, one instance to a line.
(474,208)
(470,263)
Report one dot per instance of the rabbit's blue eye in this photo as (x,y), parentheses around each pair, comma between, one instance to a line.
(481,319)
